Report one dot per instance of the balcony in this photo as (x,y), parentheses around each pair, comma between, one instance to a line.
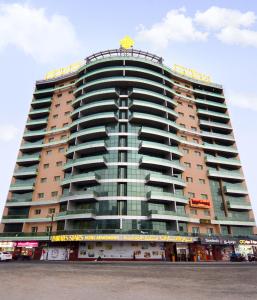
(36,145)
(25,172)
(76,214)
(96,107)
(216,95)
(216,125)
(28,159)
(210,103)
(149,107)
(165,197)
(149,95)
(87,134)
(232,175)
(86,162)
(149,132)
(96,119)
(234,221)
(152,120)
(164,180)
(212,113)
(93,147)
(217,136)
(34,134)
(38,123)
(150,162)
(37,113)
(158,148)
(239,205)
(42,102)
(97,95)
(218,148)
(22,185)
(86,179)
(80,196)
(14,219)
(235,189)
(222,161)
(120,80)
(171,216)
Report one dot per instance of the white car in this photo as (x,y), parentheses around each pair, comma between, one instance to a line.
(5,256)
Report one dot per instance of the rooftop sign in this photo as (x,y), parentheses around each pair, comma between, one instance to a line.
(191,73)
(127,42)
(63,71)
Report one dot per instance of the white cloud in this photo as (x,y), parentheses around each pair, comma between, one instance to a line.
(174,27)
(243,100)
(217,18)
(236,36)
(7,132)
(45,38)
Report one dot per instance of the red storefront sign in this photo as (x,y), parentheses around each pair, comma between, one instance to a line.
(27,244)
(200,203)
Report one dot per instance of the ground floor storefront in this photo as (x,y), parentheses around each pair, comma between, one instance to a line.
(131,247)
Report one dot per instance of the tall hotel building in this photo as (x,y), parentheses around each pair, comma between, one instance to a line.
(125,157)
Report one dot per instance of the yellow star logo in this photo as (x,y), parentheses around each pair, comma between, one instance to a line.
(126,42)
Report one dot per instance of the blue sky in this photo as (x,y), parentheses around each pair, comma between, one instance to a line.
(218,38)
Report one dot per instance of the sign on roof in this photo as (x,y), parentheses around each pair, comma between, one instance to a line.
(63,71)
(191,73)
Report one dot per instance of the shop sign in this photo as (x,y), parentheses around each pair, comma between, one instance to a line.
(210,241)
(27,244)
(228,241)
(191,73)
(248,242)
(122,237)
(200,203)
(7,244)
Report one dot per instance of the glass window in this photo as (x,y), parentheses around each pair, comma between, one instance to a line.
(41,195)
(37,211)
(189,179)
(195,230)
(204,196)
(46,166)
(42,180)
(54,194)
(59,163)
(57,178)
(199,167)
(51,210)
(34,229)
(202,181)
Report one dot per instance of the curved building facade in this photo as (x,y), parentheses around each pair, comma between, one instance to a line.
(126,146)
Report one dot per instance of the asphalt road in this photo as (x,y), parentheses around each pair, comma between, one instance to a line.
(127,281)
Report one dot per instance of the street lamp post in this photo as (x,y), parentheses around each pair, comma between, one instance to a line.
(50,234)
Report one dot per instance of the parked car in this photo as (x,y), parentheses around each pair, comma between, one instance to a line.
(252,257)
(237,257)
(4,256)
